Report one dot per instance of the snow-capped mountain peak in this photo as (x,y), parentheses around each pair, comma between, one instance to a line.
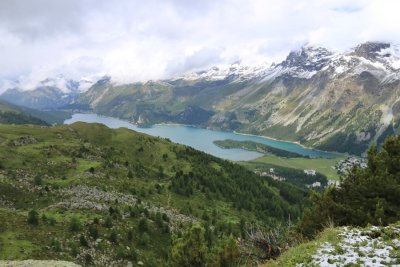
(381,59)
(308,58)
(234,71)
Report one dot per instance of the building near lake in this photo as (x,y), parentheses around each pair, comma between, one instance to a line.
(310,172)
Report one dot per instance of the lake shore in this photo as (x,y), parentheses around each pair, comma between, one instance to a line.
(202,138)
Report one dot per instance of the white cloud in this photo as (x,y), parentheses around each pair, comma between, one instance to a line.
(139,40)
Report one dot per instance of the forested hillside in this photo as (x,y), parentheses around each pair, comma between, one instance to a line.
(332,101)
(13,114)
(92,195)
(366,206)
(364,196)
(10,114)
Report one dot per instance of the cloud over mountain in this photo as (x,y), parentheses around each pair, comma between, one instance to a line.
(141,40)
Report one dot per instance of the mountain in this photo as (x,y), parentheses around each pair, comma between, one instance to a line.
(11,113)
(50,93)
(106,197)
(324,99)
(343,246)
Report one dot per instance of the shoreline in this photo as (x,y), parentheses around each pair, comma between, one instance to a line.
(292,142)
(335,153)
(253,135)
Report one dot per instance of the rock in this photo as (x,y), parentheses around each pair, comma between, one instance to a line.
(24,140)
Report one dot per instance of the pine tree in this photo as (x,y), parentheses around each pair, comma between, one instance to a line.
(33,217)
(190,250)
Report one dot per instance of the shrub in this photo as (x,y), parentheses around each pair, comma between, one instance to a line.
(74,224)
(38,180)
(113,237)
(56,245)
(108,223)
(33,217)
(83,241)
(93,232)
(143,225)
(144,240)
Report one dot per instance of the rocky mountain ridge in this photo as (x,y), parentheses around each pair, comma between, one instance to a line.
(333,101)
(49,93)
(329,100)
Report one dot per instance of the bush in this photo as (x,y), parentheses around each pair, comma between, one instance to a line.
(74,224)
(129,235)
(113,237)
(144,240)
(365,196)
(143,225)
(56,245)
(33,217)
(83,241)
(108,223)
(74,249)
(93,232)
(38,180)
(190,249)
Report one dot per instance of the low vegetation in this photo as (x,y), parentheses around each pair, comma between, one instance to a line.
(95,196)
(13,114)
(11,117)
(321,165)
(92,195)
(346,246)
(254,146)
(364,196)
(294,176)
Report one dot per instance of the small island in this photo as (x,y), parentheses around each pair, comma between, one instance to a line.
(254,146)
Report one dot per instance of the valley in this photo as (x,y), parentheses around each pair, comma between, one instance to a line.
(232,133)
(93,195)
(332,101)
(204,140)
(340,102)
(200,138)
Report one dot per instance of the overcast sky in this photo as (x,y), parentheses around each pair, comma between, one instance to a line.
(150,39)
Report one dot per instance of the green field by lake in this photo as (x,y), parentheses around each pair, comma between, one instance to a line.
(322,165)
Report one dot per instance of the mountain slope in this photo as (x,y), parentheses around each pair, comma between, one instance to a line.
(44,97)
(50,93)
(11,114)
(332,101)
(93,195)
(345,246)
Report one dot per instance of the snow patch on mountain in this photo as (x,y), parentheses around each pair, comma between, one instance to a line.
(364,247)
(391,55)
(235,70)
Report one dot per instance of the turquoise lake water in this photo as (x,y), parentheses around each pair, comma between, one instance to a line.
(202,139)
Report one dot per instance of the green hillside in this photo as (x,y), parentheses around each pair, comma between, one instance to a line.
(346,113)
(321,165)
(346,246)
(13,114)
(259,147)
(365,209)
(93,195)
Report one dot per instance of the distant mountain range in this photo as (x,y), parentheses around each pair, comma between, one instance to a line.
(331,101)
(13,114)
(50,93)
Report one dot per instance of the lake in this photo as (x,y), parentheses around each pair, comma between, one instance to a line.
(202,139)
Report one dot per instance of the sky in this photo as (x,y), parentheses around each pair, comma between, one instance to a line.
(135,40)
